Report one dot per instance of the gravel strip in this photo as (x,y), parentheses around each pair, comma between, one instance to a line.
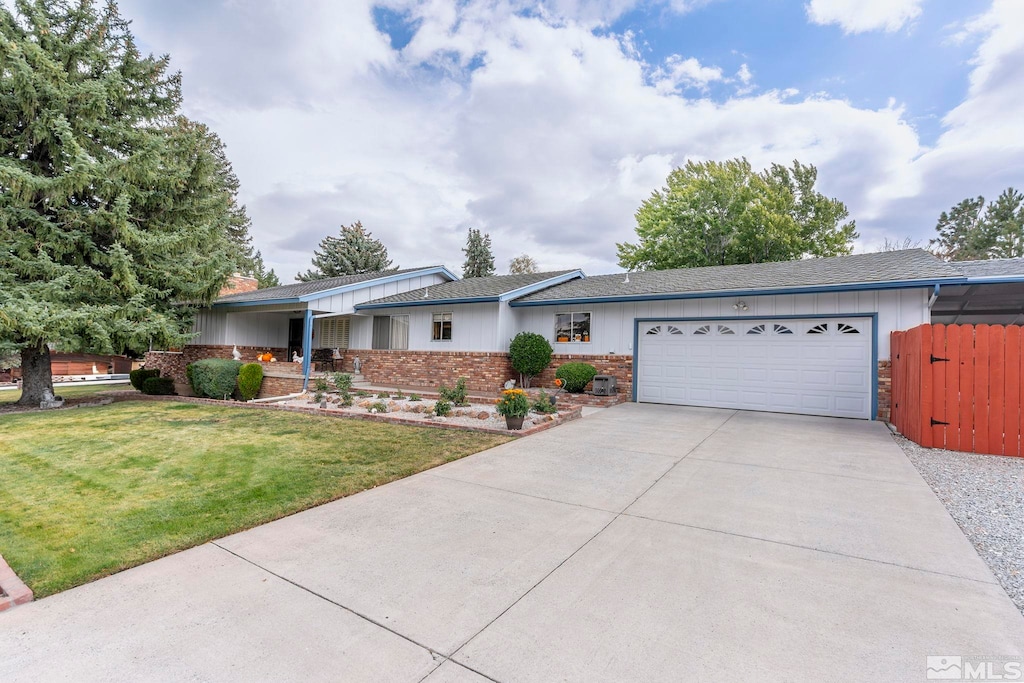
(985,495)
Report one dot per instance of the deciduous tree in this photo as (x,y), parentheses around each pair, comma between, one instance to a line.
(522,265)
(116,213)
(719,213)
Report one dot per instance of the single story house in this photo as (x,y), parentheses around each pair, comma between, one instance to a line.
(809,336)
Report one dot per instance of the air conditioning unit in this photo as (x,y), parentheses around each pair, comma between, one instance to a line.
(605,385)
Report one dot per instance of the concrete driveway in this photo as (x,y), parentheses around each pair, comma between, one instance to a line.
(641,543)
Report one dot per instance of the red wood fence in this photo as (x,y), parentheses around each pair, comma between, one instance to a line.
(959,387)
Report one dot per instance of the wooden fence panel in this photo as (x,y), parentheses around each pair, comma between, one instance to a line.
(960,387)
(996,388)
(981,389)
(938,371)
(953,333)
(1011,393)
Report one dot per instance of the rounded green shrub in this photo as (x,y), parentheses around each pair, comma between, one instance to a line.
(138,377)
(158,386)
(442,407)
(250,379)
(215,377)
(530,354)
(576,376)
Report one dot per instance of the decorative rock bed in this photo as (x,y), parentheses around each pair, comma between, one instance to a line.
(475,416)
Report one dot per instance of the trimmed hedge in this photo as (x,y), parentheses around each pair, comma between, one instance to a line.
(139,377)
(576,376)
(529,354)
(214,377)
(158,386)
(250,379)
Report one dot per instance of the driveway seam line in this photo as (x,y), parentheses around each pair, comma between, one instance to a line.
(520,493)
(676,463)
(585,543)
(793,469)
(387,628)
(812,549)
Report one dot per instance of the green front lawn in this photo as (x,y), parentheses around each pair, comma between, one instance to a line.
(88,492)
(75,391)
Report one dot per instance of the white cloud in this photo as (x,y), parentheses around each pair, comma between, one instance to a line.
(858,16)
(553,136)
(678,73)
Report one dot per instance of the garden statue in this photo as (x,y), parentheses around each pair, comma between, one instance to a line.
(356,365)
(296,358)
(510,384)
(235,353)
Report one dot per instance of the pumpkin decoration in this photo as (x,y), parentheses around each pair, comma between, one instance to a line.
(265,357)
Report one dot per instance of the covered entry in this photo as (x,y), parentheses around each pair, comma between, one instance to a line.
(813,366)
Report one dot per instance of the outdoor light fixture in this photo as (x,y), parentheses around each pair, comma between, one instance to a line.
(740,305)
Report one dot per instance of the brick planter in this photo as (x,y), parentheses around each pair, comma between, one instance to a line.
(13,590)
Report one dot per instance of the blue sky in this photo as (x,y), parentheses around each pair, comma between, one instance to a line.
(546,124)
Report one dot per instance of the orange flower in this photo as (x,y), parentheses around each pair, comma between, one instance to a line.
(559,383)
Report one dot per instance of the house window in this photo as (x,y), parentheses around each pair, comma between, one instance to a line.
(442,328)
(334,333)
(391,332)
(572,327)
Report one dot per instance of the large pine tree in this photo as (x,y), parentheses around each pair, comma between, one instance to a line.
(479,259)
(116,213)
(353,252)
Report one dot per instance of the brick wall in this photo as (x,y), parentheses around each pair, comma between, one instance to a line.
(172,363)
(484,371)
(279,386)
(884,389)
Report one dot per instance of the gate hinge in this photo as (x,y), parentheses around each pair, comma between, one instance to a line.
(938,422)
(936,359)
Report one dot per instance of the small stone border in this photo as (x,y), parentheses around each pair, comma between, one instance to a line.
(13,591)
(561,417)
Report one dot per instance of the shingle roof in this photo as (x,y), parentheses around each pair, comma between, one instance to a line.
(482,288)
(892,266)
(991,268)
(300,289)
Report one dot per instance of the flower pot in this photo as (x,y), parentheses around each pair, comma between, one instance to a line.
(514,422)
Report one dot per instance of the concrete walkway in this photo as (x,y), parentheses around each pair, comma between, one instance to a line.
(647,543)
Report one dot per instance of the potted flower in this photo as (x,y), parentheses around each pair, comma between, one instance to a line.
(515,406)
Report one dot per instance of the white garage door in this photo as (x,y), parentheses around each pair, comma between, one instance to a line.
(813,366)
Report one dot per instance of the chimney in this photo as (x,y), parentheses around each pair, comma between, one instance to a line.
(237,284)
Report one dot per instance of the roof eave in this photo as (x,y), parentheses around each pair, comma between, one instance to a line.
(334,291)
(427,302)
(711,294)
(526,290)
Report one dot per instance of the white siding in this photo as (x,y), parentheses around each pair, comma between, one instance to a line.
(210,325)
(345,302)
(474,328)
(243,329)
(612,324)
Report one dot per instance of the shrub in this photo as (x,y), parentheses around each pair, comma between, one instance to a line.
(415,397)
(346,398)
(383,394)
(378,407)
(158,386)
(442,407)
(191,381)
(215,377)
(139,377)
(457,395)
(342,381)
(250,379)
(320,384)
(576,376)
(399,395)
(529,353)
(544,404)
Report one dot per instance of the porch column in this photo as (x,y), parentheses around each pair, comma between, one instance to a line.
(307,347)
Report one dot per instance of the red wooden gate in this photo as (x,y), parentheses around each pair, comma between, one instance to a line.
(959,387)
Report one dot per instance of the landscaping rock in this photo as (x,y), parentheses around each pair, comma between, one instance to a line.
(483,415)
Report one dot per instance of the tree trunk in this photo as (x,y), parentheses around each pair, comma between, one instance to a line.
(36,380)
